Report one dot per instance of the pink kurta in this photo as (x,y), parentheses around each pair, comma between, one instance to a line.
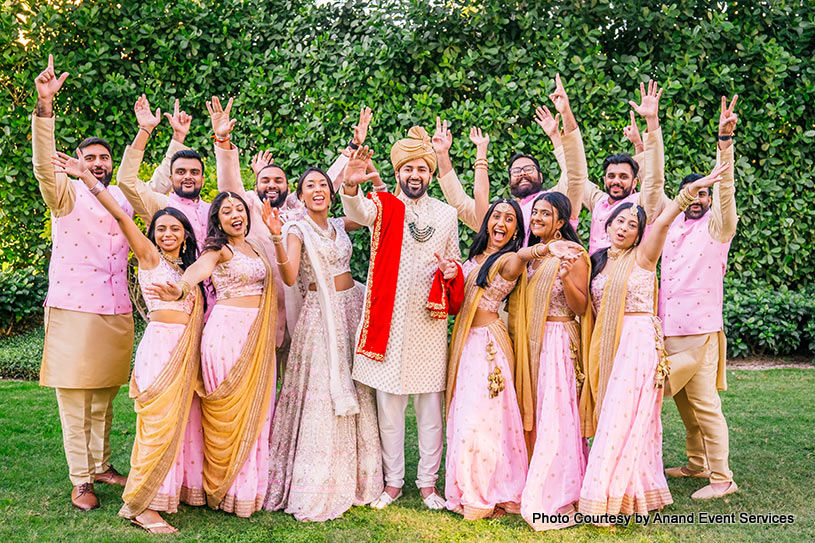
(693,267)
(486,452)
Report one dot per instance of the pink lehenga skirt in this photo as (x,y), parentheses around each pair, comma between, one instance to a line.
(486,453)
(184,481)
(321,464)
(624,472)
(559,458)
(224,336)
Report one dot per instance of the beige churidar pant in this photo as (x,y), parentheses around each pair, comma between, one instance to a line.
(706,440)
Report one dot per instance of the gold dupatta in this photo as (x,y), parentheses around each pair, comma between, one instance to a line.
(464,321)
(233,414)
(162,410)
(528,311)
(605,339)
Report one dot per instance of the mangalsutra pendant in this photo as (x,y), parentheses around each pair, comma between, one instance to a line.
(421,234)
(495,381)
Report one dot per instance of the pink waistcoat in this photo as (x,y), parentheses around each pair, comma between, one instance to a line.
(197,211)
(693,267)
(88,268)
(598,239)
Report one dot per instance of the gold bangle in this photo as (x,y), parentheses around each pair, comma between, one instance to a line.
(684,199)
(282,263)
(185,289)
(277,238)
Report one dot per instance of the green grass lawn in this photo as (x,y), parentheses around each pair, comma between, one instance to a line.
(771,420)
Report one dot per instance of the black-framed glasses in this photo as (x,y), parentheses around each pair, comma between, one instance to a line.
(529,170)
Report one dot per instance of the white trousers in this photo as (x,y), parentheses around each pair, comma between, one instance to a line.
(391,414)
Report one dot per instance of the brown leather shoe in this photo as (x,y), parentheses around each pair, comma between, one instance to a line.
(83,497)
(111,477)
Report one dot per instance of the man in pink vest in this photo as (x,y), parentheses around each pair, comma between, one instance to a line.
(690,305)
(88,316)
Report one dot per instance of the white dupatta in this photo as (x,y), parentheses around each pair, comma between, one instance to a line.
(340,384)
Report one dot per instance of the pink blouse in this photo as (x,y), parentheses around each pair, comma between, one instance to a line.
(496,290)
(242,275)
(160,274)
(639,296)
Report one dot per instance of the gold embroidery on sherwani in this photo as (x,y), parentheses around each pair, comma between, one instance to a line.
(162,409)
(233,413)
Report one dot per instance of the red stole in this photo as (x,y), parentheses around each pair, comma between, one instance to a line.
(386,252)
(446,297)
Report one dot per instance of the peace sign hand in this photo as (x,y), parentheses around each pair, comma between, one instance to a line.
(728,119)
(632,133)
(180,121)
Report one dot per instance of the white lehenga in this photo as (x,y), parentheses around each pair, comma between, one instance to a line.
(325,454)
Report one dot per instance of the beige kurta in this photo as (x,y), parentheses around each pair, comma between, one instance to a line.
(416,354)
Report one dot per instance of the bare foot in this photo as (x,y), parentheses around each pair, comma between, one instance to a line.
(152,522)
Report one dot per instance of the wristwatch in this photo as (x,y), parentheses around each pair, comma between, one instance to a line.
(353,145)
(724,138)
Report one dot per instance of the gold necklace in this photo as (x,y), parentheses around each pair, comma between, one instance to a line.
(614,252)
(174,262)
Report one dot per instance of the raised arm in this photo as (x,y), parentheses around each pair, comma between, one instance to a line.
(180,122)
(336,170)
(56,191)
(653,178)
(577,173)
(723,218)
(651,247)
(357,208)
(481,185)
(287,256)
(451,187)
(227,157)
(551,127)
(144,250)
(144,200)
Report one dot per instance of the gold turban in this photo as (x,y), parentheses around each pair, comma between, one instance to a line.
(415,145)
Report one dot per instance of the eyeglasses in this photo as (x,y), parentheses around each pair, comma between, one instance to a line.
(529,170)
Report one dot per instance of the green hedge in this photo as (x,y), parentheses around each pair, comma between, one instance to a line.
(300,72)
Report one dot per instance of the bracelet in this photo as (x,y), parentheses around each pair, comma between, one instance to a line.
(684,199)
(380,188)
(219,140)
(724,138)
(185,289)
(353,145)
(97,188)
(282,263)
(149,133)
(277,238)
(535,252)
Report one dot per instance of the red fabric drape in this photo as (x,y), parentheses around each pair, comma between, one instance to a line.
(446,297)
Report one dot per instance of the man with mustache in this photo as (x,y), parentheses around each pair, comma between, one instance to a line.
(88,316)
(694,262)
(402,346)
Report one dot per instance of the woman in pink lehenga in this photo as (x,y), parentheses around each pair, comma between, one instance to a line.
(622,393)
(543,313)
(166,366)
(486,454)
(237,358)
(325,452)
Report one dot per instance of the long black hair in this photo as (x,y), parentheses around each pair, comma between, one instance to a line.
(482,238)
(563,208)
(189,246)
(216,237)
(600,257)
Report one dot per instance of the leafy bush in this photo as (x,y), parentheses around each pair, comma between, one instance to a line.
(766,321)
(300,72)
(22,293)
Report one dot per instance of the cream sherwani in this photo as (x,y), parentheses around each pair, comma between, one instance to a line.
(415,361)
(690,305)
